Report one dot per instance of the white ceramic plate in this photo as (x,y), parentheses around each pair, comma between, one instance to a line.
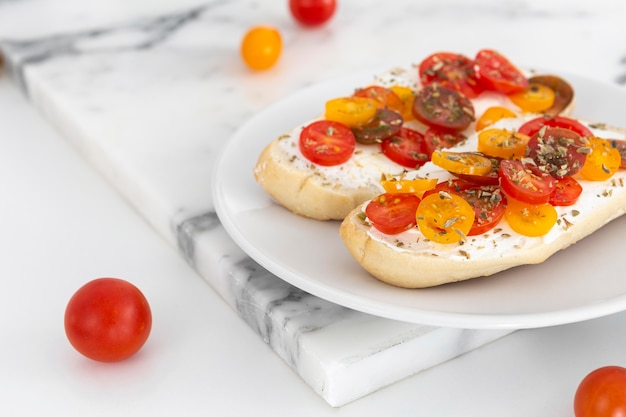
(585,281)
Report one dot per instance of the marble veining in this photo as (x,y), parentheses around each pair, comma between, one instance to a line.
(148,93)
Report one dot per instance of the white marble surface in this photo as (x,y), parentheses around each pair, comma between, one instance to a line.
(138,89)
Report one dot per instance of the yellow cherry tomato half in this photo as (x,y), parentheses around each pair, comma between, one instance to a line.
(444,218)
(502,143)
(603,161)
(416,186)
(351,111)
(261,47)
(534,99)
(530,219)
(407,95)
(464,163)
(492,115)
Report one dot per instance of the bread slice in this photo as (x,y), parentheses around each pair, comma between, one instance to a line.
(409,260)
(330,193)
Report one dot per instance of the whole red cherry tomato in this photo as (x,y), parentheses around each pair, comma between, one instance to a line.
(108,319)
(602,393)
(312,12)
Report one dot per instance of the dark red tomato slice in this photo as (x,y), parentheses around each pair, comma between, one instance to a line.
(406,148)
(487,201)
(393,213)
(620,145)
(450,70)
(385,123)
(444,108)
(557,151)
(566,192)
(327,143)
(495,72)
(525,182)
(532,126)
(442,139)
(491,178)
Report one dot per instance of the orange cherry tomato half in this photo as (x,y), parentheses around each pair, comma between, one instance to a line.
(620,145)
(444,218)
(407,95)
(525,182)
(502,143)
(108,320)
(261,47)
(393,213)
(602,393)
(466,163)
(497,73)
(385,97)
(534,99)
(450,70)
(327,143)
(417,186)
(566,192)
(406,148)
(530,219)
(603,161)
(351,111)
(492,115)
(442,107)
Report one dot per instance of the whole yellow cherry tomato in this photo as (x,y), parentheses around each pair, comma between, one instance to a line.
(261,47)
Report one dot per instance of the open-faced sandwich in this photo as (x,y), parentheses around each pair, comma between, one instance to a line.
(326,167)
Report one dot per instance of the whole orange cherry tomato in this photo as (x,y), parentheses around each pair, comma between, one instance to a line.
(261,47)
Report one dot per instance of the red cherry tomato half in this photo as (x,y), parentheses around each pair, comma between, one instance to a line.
(327,143)
(566,193)
(450,70)
(532,126)
(440,139)
(108,320)
(442,107)
(496,73)
(557,151)
(406,148)
(602,393)
(312,12)
(525,182)
(393,213)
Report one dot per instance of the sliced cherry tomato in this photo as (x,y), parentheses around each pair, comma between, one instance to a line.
(602,393)
(406,148)
(532,126)
(351,111)
(486,200)
(108,319)
(384,124)
(327,143)
(443,108)
(502,143)
(492,115)
(312,12)
(563,92)
(603,161)
(495,72)
(620,145)
(385,97)
(557,151)
(417,186)
(444,218)
(407,95)
(393,213)
(490,178)
(450,70)
(566,192)
(525,182)
(261,47)
(467,163)
(534,99)
(442,139)
(530,219)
